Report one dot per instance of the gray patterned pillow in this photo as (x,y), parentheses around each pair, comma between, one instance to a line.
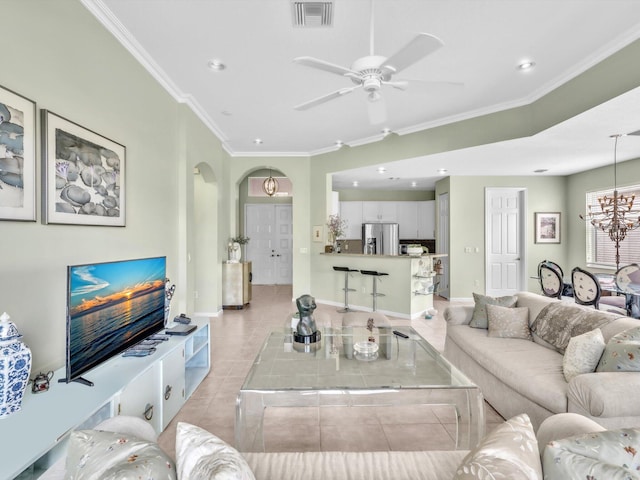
(610,455)
(622,353)
(557,323)
(200,454)
(507,322)
(509,451)
(582,354)
(479,318)
(115,456)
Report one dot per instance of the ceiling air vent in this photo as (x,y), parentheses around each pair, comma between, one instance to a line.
(312,14)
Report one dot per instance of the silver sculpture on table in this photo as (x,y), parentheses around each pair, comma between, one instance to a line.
(306,330)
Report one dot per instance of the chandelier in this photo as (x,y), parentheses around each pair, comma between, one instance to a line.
(614,214)
(270,185)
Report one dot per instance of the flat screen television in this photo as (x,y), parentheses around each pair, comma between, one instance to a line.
(111,306)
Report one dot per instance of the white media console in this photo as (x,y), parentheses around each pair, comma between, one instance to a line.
(153,387)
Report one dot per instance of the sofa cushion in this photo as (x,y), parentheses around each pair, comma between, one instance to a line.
(583,354)
(112,455)
(509,451)
(479,318)
(558,322)
(200,454)
(510,360)
(423,465)
(622,353)
(507,322)
(610,454)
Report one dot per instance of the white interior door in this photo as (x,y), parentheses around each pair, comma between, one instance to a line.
(270,226)
(505,256)
(442,243)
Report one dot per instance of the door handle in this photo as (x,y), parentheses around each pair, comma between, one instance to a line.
(517,259)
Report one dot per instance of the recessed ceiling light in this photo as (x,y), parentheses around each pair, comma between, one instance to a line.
(541,170)
(386,131)
(442,171)
(414,184)
(226,113)
(339,143)
(355,183)
(526,65)
(381,169)
(257,141)
(216,65)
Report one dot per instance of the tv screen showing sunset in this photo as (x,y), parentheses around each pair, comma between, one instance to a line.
(112,306)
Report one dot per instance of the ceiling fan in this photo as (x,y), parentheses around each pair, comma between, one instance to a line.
(372,72)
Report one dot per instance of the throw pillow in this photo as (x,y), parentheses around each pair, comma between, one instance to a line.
(582,354)
(558,322)
(479,318)
(115,456)
(610,454)
(509,451)
(200,454)
(507,322)
(622,353)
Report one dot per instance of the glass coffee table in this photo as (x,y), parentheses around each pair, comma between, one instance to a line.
(354,366)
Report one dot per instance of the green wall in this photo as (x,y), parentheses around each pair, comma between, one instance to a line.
(63,59)
(356,194)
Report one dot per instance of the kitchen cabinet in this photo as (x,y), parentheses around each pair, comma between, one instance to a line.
(351,213)
(408,219)
(379,212)
(427,219)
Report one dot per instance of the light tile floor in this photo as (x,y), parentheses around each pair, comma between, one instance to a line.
(236,337)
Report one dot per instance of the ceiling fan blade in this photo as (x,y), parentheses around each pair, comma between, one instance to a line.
(377,110)
(425,86)
(325,98)
(421,46)
(322,65)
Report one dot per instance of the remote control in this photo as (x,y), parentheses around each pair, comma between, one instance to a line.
(160,337)
(138,353)
(400,334)
(182,318)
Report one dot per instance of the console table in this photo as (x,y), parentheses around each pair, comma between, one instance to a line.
(153,387)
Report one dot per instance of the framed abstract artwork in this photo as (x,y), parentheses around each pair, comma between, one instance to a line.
(83,175)
(547,227)
(17,157)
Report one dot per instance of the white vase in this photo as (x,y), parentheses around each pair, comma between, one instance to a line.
(15,367)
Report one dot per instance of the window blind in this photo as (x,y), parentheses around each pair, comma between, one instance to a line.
(600,249)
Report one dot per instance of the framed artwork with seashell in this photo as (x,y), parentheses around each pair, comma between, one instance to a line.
(84,175)
(17,157)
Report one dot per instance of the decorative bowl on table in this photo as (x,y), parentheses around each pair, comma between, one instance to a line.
(366,351)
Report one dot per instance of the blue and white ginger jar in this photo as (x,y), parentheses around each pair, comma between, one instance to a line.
(15,367)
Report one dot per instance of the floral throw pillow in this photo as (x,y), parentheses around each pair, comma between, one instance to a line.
(607,455)
(622,353)
(582,354)
(507,322)
(479,318)
(509,451)
(115,456)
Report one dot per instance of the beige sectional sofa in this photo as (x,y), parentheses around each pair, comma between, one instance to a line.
(503,453)
(525,376)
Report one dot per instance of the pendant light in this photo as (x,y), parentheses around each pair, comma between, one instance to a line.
(270,185)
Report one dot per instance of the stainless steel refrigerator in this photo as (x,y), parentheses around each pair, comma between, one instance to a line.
(380,238)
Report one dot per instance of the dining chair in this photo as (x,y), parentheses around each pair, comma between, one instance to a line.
(586,289)
(550,280)
(628,278)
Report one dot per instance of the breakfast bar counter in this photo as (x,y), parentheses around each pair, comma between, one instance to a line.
(407,289)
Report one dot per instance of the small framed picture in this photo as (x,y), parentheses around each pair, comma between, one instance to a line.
(547,227)
(318,233)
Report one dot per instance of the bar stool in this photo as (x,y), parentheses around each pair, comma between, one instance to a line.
(374,293)
(346,288)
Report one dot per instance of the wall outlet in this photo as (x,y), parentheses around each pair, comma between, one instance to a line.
(364,289)
(195,294)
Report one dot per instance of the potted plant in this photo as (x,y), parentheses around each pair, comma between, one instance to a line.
(336,228)
(240,240)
